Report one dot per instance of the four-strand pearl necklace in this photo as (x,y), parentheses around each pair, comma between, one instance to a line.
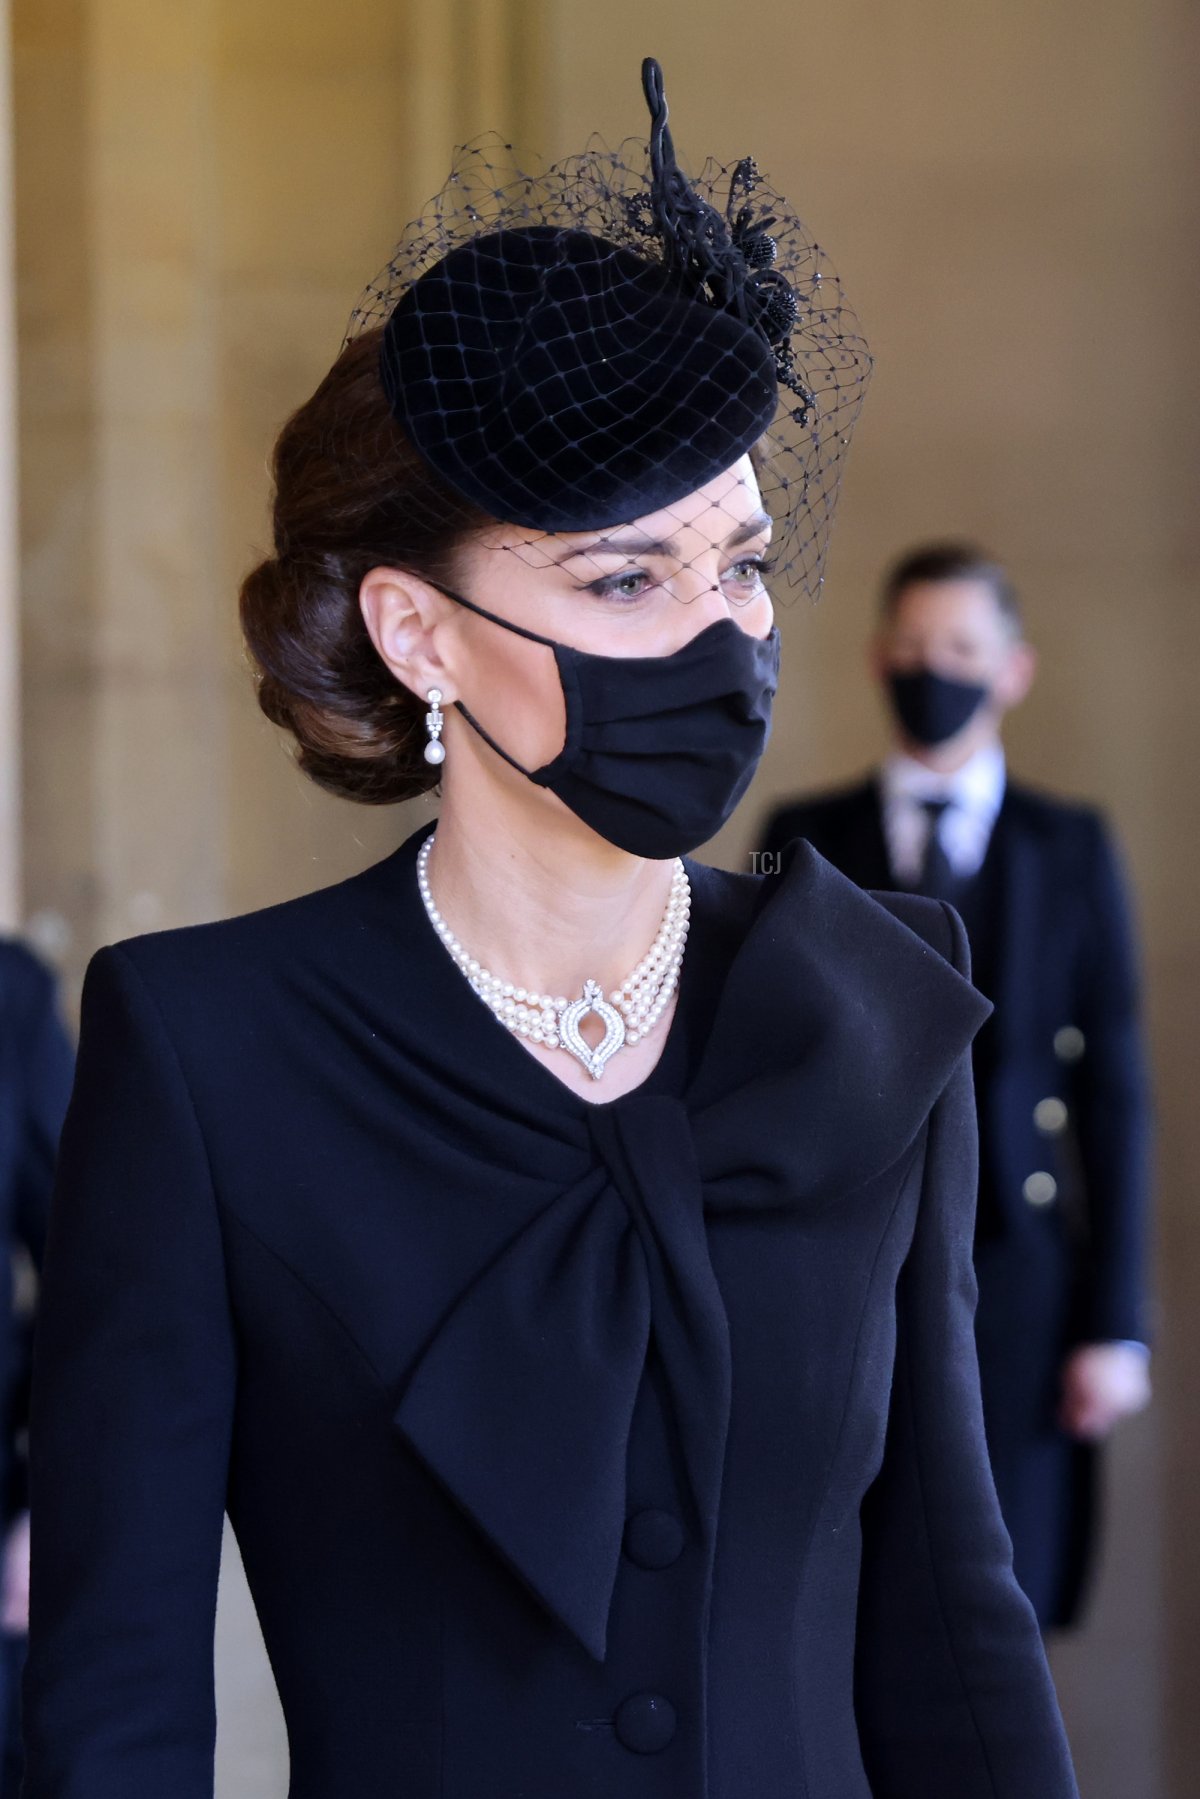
(631,1010)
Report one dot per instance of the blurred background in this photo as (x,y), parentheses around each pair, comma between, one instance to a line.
(195,193)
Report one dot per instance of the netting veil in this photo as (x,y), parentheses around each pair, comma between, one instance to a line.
(589,345)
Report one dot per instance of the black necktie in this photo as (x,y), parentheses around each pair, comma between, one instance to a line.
(937,878)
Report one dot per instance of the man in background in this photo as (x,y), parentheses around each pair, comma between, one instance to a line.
(36,1071)
(1064,1111)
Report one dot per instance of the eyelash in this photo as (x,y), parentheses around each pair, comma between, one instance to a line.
(608,587)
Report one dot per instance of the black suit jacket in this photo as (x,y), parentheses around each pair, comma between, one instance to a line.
(1066,1028)
(572,1447)
(36,1067)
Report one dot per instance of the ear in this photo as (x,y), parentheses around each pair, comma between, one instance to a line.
(404,616)
(1017,675)
(877,655)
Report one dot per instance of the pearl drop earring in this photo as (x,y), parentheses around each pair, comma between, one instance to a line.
(435,749)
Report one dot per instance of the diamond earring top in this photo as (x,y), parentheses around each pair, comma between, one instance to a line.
(435,749)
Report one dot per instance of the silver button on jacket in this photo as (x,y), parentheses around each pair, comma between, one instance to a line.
(1050,1116)
(1040,1189)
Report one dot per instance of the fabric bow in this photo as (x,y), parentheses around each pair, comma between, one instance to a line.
(522,1402)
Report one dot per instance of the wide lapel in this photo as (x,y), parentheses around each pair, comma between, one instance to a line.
(867,860)
(871,841)
(1019,875)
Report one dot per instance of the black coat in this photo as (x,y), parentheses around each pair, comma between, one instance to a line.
(567,1443)
(36,1067)
(1054,1272)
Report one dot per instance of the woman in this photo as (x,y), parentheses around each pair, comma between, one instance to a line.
(585,1365)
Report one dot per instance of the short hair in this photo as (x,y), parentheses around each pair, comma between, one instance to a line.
(952,561)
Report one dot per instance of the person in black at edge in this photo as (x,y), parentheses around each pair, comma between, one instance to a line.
(584,1358)
(36,1065)
(1061,1078)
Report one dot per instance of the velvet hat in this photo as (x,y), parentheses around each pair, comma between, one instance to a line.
(579,348)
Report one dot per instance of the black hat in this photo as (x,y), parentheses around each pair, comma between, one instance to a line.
(581,348)
(566,383)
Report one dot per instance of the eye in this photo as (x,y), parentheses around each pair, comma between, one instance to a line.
(752,569)
(629,586)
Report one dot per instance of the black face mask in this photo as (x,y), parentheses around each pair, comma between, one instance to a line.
(932,708)
(658,749)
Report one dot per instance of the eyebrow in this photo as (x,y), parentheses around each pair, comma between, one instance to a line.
(758,526)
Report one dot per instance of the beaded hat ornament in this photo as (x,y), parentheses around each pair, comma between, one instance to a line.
(588,346)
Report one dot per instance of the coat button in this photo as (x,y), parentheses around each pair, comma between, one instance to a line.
(1069,1043)
(645,1722)
(1039,1189)
(1050,1116)
(653,1539)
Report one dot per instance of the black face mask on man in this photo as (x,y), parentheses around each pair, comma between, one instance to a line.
(932,708)
(658,749)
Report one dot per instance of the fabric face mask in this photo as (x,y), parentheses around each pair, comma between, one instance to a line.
(658,749)
(931,707)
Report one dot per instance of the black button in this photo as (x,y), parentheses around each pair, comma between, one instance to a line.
(653,1539)
(645,1722)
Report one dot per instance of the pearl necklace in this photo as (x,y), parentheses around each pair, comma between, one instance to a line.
(631,1010)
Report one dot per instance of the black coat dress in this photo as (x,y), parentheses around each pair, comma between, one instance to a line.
(1065,1129)
(575,1450)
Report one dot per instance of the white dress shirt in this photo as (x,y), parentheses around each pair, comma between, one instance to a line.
(975,792)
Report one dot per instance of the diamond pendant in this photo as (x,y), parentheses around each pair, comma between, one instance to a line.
(614,1029)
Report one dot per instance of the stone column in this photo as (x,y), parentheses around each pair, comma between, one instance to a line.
(125,652)
(10,717)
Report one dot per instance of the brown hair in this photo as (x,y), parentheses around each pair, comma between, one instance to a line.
(952,561)
(350,494)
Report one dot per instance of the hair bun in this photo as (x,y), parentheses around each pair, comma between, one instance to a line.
(350,494)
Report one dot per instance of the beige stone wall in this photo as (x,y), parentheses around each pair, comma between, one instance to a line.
(201,191)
